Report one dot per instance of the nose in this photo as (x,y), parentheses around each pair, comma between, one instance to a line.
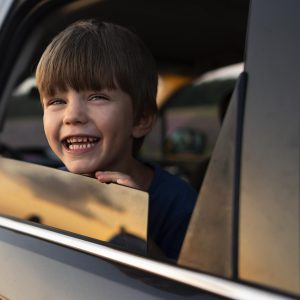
(75,113)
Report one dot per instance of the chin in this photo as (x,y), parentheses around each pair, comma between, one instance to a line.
(77,169)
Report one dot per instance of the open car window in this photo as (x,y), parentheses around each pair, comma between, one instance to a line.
(183,138)
(188,124)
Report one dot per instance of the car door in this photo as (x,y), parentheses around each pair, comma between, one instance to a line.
(56,265)
(216,259)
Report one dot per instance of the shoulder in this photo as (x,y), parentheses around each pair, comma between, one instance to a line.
(170,197)
(170,186)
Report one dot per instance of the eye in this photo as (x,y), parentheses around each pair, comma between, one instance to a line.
(55,101)
(98,97)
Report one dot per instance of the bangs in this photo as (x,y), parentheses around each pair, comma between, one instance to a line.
(78,61)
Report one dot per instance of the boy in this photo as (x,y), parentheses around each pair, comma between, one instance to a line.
(98,84)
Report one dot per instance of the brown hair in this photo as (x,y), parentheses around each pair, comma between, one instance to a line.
(91,56)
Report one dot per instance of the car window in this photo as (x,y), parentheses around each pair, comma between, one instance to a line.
(75,203)
(190,117)
(4,8)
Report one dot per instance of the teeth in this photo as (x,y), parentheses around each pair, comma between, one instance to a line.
(81,140)
(81,146)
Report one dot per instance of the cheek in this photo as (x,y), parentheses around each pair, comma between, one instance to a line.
(113,119)
(120,126)
(124,118)
(49,127)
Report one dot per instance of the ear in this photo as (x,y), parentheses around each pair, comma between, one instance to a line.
(143,126)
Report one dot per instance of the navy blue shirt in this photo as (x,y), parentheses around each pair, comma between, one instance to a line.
(171,203)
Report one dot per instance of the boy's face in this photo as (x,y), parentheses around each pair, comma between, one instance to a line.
(91,130)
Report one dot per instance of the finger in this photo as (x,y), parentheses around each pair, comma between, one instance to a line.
(110,176)
(116,177)
(127,182)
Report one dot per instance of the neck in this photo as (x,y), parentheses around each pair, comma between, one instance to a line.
(141,174)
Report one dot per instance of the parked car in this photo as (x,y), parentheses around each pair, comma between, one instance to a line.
(66,236)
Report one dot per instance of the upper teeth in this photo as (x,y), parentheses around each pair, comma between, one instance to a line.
(81,139)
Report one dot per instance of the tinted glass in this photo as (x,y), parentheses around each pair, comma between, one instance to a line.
(75,203)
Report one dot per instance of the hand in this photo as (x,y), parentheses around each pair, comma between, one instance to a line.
(117,177)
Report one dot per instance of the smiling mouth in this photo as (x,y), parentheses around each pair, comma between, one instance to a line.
(80,142)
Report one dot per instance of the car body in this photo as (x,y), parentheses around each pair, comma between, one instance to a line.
(66,236)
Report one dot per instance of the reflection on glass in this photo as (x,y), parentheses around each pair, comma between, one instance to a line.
(75,203)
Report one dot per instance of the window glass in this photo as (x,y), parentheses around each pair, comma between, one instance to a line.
(75,203)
